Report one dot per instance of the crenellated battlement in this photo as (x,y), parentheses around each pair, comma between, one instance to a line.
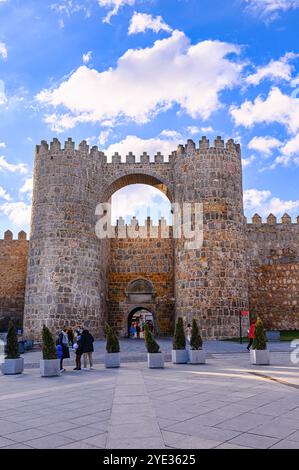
(8,236)
(55,147)
(204,145)
(272,220)
(147,230)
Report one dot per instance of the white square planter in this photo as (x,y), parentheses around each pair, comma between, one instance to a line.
(155,360)
(49,367)
(260,357)
(179,356)
(13,366)
(112,360)
(197,356)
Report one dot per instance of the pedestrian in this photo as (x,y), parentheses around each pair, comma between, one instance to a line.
(86,344)
(77,346)
(138,330)
(132,331)
(63,341)
(188,334)
(251,333)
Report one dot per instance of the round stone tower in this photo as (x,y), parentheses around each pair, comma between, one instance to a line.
(66,276)
(210,280)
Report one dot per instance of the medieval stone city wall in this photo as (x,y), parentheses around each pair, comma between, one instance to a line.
(74,276)
(13,268)
(273,268)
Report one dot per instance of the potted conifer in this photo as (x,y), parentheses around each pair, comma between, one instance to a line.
(259,354)
(112,356)
(155,359)
(196,354)
(49,364)
(13,363)
(179,352)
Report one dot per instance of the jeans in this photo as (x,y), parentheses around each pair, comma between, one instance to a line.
(88,356)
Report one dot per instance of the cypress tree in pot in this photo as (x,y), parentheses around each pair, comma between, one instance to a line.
(155,359)
(179,353)
(13,363)
(112,356)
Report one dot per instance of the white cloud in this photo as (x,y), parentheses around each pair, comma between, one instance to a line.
(12,168)
(137,145)
(277,107)
(141,201)
(3,50)
(18,212)
(141,22)
(193,130)
(264,145)
(172,134)
(146,82)
(2,145)
(114,6)
(3,99)
(289,153)
(264,203)
(86,58)
(27,186)
(270,9)
(4,195)
(248,161)
(70,7)
(103,137)
(275,70)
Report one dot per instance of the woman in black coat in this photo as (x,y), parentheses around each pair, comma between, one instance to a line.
(86,346)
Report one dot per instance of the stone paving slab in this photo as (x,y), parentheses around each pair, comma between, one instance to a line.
(219,405)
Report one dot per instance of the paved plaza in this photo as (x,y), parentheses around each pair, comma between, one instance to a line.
(226,403)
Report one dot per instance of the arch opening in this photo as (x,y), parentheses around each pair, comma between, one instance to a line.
(137,318)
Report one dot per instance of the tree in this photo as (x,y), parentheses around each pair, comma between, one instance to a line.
(12,346)
(260,339)
(179,340)
(112,345)
(48,347)
(196,339)
(151,345)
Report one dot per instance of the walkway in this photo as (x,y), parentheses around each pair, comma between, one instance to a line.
(226,403)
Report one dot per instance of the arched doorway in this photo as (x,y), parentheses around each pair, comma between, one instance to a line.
(137,318)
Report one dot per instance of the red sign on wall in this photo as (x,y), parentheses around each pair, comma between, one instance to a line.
(245,313)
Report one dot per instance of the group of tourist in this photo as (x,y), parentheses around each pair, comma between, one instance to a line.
(81,341)
(136,329)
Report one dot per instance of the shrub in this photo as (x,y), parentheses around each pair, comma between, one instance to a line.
(196,339)
(179,340)
(12,347)
(112,345)
(48,348)
(260,339)
(151,345)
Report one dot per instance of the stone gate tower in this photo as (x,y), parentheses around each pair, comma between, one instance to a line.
(68,265)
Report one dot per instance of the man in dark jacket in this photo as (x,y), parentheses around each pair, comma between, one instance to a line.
(86,346)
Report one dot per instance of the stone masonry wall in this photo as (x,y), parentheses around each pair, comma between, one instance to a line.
(273,268)
(13,268)
(148,258)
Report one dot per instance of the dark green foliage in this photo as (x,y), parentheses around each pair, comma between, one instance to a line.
(112,345)
(12,347)
(48,347)
(260,339)
(179,340)
(196,339)
(150,343)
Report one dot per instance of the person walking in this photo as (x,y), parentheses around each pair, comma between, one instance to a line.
(251,334)
(78,350)
(63,341)
(86,344)
(188,335)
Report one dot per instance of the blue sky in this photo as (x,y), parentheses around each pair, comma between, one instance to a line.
(145,75)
